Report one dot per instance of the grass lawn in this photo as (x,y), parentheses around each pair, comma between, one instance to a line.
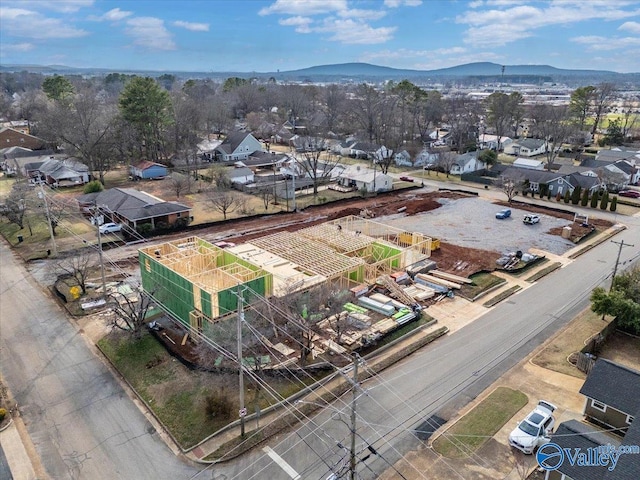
(5,185)
(481,282)
(470,432)
(570,340)
(176,394)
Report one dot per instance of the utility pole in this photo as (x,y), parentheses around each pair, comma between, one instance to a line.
(104,282)
(615,267)
(243,410)
(352,466)
(43,196)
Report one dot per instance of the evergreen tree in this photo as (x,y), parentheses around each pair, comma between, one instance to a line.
(604,201)
(585,197)
(614,204)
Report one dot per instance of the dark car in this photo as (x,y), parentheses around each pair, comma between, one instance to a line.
(629,193)
(406,179)
(504,213)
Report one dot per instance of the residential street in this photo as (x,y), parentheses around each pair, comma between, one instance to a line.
(81,422)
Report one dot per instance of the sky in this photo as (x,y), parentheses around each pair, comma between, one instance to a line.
(281,35)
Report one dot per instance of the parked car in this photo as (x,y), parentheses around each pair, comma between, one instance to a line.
(531,219)
(629,193)
(535,430)
(504,213)
(110,228)
(406,179)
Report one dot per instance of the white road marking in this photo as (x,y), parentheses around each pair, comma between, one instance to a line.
(282,463)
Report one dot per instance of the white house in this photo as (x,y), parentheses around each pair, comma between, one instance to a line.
(466,163)
(361,177)
(491,142)
(241,175)
(526,147)
(237,146)
(529,163)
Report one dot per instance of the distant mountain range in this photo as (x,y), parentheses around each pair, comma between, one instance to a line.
(355,71)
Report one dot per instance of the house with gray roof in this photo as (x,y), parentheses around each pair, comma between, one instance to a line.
(613,394)
(237,146)
(67,172)
(467,162)
(135,208)
(526,147)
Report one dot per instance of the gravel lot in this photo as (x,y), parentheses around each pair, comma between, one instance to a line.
(471,222)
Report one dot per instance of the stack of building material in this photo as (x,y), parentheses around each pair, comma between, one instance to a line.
(382,308)
(434,286)
(400,277)
(450,276)
(419,292)
(438,281)
(379,297)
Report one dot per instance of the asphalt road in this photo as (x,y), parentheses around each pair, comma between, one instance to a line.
(438,380)
(82,423)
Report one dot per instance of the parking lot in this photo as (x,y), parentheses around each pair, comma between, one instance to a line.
(471,222)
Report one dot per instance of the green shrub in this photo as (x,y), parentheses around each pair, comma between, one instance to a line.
(594,200)
(3,413)
(575,195)
(567,196)
(614,204)
(93,187)
(144,229)
(604,202)
(548,194)
(585,197)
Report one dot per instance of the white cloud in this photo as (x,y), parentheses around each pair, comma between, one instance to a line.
(633,27)
(113,15)
(351,32)
(20,22)
(304,7)
(150,32)
(193,26)
(18,47)
(362,14)
(66,6)
(398,3)
(301,23)
(499,26)
(599,43)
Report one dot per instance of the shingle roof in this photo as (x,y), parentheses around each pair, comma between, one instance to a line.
(233,141)
(539,176)
(628,467)
(257,159)
(574,434)
(584,181)
(143,165)
(530,143)
(133,204)
(61,169)
(615,385)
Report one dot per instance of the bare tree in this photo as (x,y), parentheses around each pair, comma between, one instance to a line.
(219,177)
(366,109)
(334,100)
(129,311)
(463,117)
(223,200)
(603,96)
(77,266)
(15,206)
(446,161)
(316,163)
(509,185)
(267,196)
(551,124)
(85,124)
(180,183)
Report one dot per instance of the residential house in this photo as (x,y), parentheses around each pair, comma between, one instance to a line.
(526,147)
(486,141)
(616,175)
(67,172)
(364,178)
(14,138)
(467,162)
(135,208)
(21,126)
(529,163)
(237,146)
(615,154)
(241,175)
(363,150)
(260,159)
(148,170)
(613,395)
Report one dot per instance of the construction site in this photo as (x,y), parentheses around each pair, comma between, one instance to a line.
(384,274)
